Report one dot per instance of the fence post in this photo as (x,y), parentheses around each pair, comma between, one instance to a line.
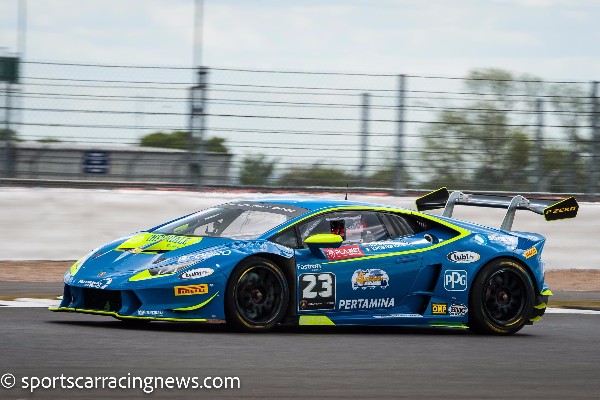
(364,140)
(399,164)
(196,146)
(539,146)
(8,134)
(595,142)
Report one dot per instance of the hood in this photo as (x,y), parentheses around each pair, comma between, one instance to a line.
(140,252)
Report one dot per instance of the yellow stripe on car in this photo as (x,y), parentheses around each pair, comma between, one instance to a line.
(315,320)
(197,306)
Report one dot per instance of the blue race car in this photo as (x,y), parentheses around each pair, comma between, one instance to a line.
(256,264)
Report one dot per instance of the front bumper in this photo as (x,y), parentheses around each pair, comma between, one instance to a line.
(143,304)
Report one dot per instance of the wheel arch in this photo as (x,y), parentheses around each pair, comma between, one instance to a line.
(515,260)
(288,267)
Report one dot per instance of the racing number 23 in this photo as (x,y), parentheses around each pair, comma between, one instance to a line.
(311,291)
(317,291)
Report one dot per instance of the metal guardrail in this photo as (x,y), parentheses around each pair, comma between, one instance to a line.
(88,184)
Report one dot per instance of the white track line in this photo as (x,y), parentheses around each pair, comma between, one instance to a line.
(29,303)
(570,311)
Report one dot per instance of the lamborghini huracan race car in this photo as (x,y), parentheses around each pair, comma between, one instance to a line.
(256,264)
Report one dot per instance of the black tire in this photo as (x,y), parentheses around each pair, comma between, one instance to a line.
(501,299)
(257,296)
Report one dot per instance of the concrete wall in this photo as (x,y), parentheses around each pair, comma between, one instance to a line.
(64,224)
(125,163)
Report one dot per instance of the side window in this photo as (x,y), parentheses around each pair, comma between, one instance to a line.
(286,238)
(353,227)
(404,225)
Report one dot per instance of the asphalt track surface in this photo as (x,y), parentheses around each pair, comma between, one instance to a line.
(557,358)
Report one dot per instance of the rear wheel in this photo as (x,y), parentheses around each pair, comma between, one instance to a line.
(257,295)
(501,299)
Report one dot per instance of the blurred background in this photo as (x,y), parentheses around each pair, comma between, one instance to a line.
(118,112)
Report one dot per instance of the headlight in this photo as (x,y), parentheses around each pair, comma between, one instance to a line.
(170,269)
(175,265)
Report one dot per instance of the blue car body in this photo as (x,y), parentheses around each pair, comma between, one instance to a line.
(421,276)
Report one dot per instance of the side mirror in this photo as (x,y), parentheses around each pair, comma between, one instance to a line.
(322,240)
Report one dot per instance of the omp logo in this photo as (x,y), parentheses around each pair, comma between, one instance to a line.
(530,253)
(561,210)
(191,289)
(455,280)
(439,308)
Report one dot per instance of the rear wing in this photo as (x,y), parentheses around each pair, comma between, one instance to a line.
(551,209)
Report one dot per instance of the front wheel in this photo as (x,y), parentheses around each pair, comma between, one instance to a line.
(501,299)
(257,295)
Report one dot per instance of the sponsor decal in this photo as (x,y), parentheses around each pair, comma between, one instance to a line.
(180,240)
(309,266)
(270,207)
(398,316)
(137,250)
(530,253)
(561,210)
(458,310)
(479,239)
(510,242)
(197,273)
(317,291)
(370,278)
(101,284)
(101,274)
(355,304)
(379,246)
(199,257)
(439,308)
(463,257)
(455,280)
(154,313)
(191,290)
(343,252)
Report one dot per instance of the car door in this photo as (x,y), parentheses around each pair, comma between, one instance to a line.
(370,273)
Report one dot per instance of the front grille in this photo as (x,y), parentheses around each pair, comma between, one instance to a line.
(103,300)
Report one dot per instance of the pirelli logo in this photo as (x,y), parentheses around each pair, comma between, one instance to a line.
(530,253)
(439,308)
(191,290)
(561,210)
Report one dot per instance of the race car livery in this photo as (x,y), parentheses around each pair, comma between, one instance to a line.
(254,264)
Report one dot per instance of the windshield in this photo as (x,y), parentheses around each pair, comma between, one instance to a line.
(236,221)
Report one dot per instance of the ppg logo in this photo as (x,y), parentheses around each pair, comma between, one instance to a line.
(455,280)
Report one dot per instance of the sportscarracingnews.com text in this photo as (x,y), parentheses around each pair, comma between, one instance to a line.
(147,384)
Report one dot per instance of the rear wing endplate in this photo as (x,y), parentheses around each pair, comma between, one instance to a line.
(551,209)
